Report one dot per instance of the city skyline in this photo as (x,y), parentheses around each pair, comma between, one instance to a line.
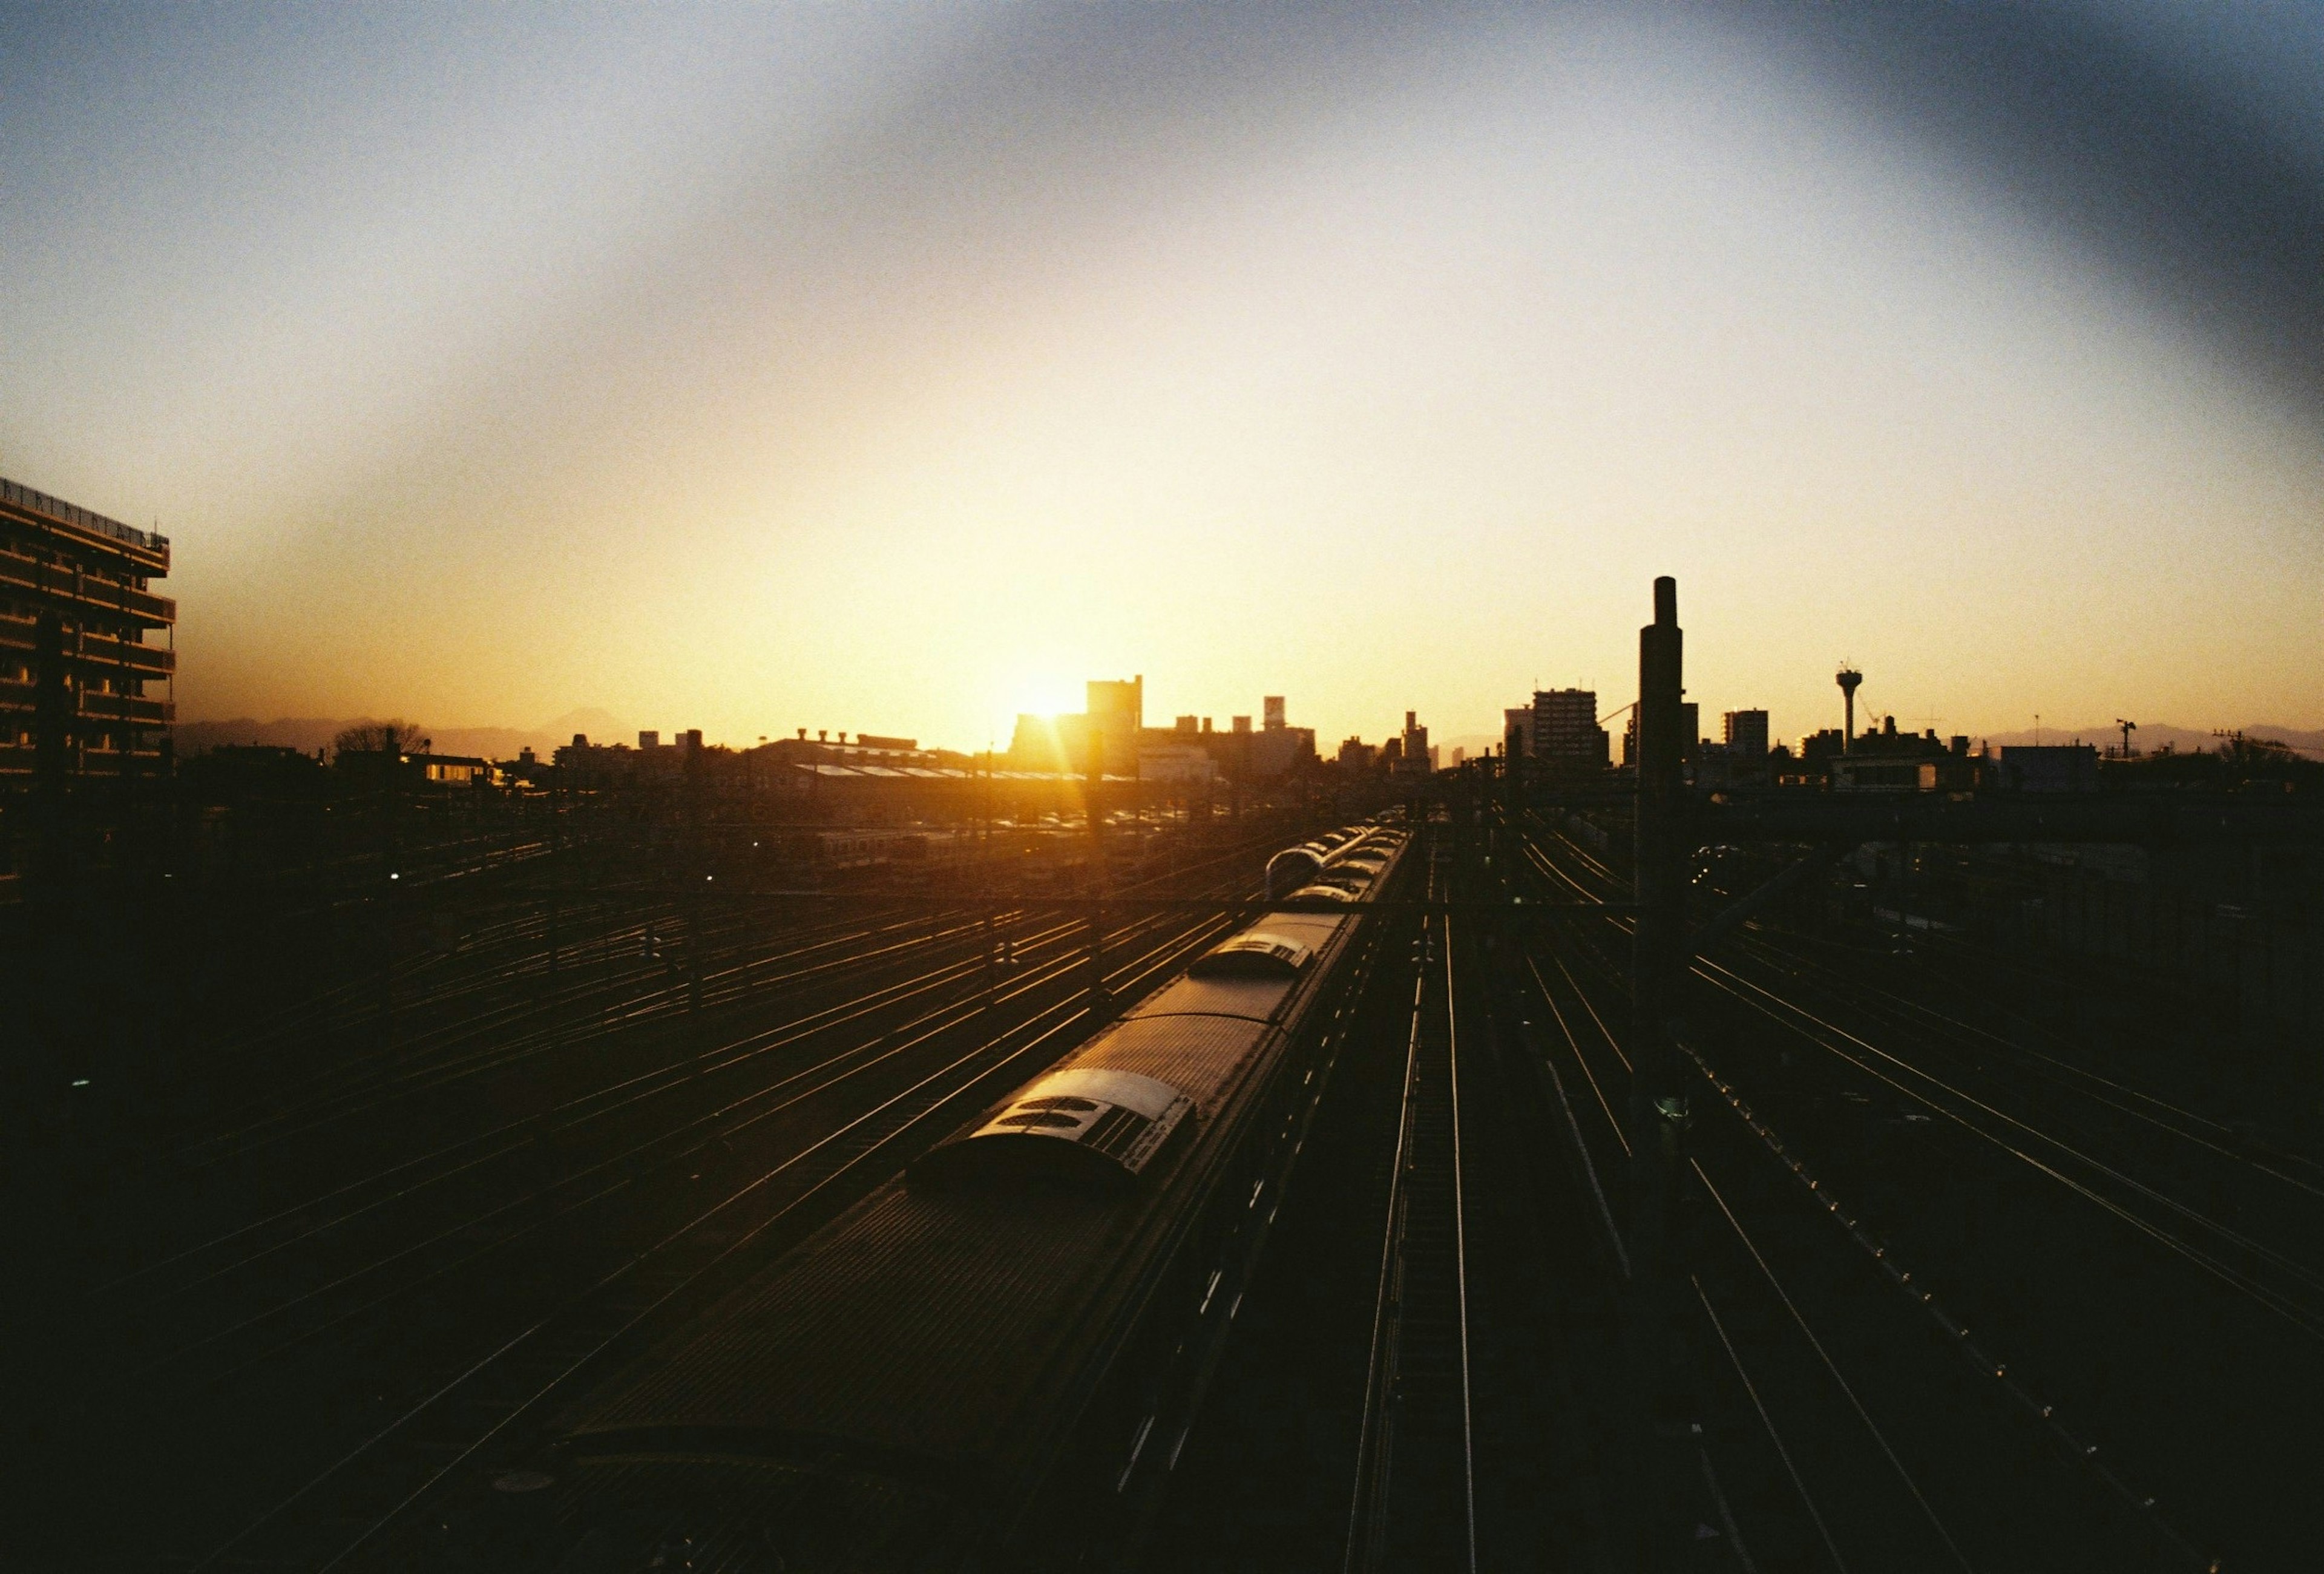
(893,367)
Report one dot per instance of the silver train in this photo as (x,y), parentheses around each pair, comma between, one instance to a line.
(988,1363)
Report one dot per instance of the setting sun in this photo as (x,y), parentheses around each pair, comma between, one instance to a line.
(887,789)
(1040,695)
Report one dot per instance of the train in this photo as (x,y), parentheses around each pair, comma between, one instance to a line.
(864,849)
(990,1361)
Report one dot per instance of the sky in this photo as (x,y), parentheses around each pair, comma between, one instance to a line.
(896,367)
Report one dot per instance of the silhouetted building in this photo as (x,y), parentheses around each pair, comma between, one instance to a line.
(1690,726)
(1745,735)
(1177,762)
(1355,754)
(237,771)
(1740,759)
(1516,732)
(1117,714)
(1413,753)
(75,610)
(1565,731)
(1278,749)
(1887,760)
(1114,719)
(1049,743)
(2071,767)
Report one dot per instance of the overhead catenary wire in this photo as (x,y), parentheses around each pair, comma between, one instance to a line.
(2084,1453)
(1833,1368)
(1978,1359)
(1807,1499)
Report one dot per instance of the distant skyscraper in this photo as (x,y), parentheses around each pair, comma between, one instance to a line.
(1516,732)
(1566,728)
(1116,713)
(1414,753)
(1113,704)
(1280,748)
(1746,734)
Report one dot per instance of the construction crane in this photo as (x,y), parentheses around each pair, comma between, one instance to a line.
(2127,729)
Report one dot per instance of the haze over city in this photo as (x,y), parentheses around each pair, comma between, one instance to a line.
(924,787)
(903,366)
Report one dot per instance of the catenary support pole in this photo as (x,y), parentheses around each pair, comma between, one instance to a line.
(1658,1103)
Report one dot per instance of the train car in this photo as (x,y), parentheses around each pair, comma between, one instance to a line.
(864,849)
(1297,866)
(987,1363)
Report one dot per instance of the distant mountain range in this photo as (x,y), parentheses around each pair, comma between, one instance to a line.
(313,733)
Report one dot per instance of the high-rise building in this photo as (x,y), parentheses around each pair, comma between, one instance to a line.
(1745,735)
(1117,713)
(1516,732)
(1279,749)
(1739,756)
(75,610)
(1566,728)
(1414,756)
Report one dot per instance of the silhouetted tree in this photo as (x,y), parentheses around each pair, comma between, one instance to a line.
(396,737)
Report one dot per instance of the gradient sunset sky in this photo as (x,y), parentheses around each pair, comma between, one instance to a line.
(897,367)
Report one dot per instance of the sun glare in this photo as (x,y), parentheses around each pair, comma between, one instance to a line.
(1043,694)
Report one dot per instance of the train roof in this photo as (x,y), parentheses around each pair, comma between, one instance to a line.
(894,1341)
(903,1370)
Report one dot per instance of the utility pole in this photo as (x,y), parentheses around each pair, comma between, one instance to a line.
(695,875)
(1658,1095)
(1094,812)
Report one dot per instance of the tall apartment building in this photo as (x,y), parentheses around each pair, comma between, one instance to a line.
(75,611)
(1565,727)
(1278,748)
(1516,732)
(1117,714)
(1745,735)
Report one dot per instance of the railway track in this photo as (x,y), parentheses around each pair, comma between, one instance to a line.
(1973,1469)
(1414,1496)
(1399,1391)
(762,1132)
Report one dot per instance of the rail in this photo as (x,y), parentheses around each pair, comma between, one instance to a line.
(58,509)
(1416,1465)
